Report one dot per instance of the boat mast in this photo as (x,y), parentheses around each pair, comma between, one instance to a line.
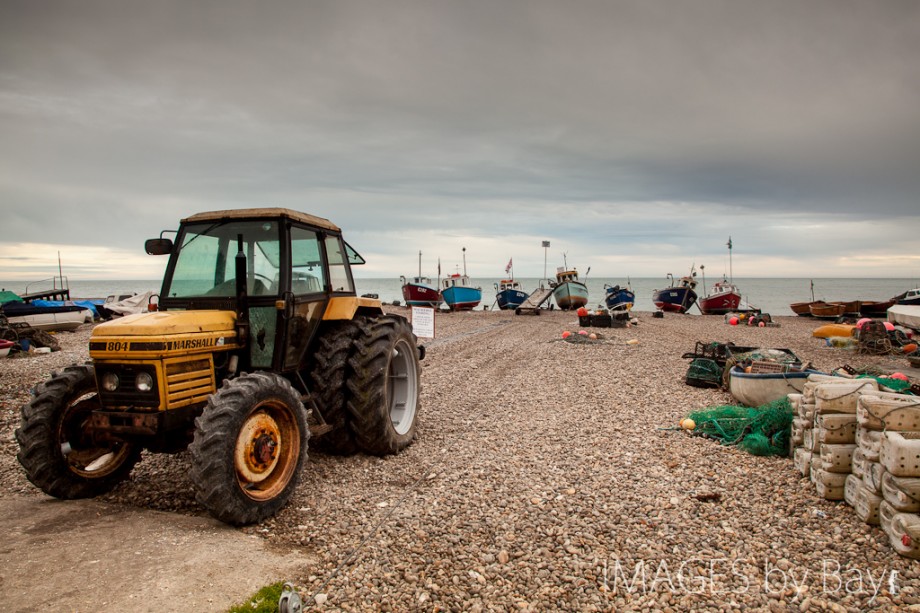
(419,266)
(731,277)
(464,261)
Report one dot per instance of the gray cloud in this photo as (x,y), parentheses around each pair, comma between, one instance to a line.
(643,127)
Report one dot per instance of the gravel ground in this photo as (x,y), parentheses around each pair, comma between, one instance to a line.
(546,476)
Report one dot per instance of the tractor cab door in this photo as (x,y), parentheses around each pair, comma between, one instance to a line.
(306,297)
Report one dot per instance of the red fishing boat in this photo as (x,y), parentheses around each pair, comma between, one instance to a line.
(420,291)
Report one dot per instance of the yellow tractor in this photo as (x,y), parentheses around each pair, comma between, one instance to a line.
(257,340)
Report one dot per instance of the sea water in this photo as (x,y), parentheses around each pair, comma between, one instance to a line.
(770,295)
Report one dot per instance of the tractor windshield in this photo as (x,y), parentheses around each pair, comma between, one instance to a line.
(205,265)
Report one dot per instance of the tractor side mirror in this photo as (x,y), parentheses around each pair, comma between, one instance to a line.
(158,246)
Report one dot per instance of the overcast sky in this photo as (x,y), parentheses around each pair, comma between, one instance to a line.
(636,136)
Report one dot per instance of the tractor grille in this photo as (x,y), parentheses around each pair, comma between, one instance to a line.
(189,382)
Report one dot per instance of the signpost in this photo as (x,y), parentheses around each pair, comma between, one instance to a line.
(423,322)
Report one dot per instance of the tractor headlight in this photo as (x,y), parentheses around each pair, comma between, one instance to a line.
(110,382)
(143,382)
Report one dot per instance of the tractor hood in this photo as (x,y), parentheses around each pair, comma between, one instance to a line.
(167,323)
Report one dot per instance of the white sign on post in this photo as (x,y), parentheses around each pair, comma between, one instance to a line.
(423,322)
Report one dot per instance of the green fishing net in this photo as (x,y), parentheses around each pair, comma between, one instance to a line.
(763,430)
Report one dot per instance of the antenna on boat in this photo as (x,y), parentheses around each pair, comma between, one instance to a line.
(420,266)
(464,261)
(703,271)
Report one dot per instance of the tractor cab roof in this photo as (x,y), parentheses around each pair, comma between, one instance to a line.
(264,213)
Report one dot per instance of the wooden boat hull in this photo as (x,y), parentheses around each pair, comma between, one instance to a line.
(570,295)
(828,310)
(872,308)
(756,389)
(803,309)
(674,299)
(619,298)
(416,294)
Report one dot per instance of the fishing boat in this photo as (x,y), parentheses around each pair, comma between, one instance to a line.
(568,292)
(910,297)
(725,296)
(907,315)
(458,292)
(835,310)
(619,298)
(875,308)
(754,389)
(509,294)
(420,291)
(803,309)
(46,318)
(679,296)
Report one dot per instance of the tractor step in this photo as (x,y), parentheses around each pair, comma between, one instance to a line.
(320,430)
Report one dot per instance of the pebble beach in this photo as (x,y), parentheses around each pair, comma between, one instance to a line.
(551,475)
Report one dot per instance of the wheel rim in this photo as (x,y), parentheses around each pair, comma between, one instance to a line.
(84,458)
(402,391)
(266,452)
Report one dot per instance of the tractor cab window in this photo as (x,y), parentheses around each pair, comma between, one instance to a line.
(339,273)
(306,263)
(205,264)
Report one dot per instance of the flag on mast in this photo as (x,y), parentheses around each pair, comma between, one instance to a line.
(508,267)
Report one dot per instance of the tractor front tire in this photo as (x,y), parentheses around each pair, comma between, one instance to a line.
(58,456)
(384,385)
(249,448)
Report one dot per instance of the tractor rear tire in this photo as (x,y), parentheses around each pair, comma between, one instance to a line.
(328,372)
(53,448)
(249,448)
(384,385)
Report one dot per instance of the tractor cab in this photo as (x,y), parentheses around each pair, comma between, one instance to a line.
(278,270)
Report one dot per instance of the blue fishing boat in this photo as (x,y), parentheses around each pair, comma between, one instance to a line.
(458,292)
(679,296)
(509,294)
(619,298)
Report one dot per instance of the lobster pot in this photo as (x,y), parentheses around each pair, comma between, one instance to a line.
(841,397)
(837,458)
(850,488)
(867,505)
(829,485)
(870,442)
(860,464)
(873,477)
(902,493)
(802,460)
(836,428)
(903,530)
(886,411)
(900,454)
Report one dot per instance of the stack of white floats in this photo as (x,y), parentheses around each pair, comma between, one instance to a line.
(862,445)
(892,439)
